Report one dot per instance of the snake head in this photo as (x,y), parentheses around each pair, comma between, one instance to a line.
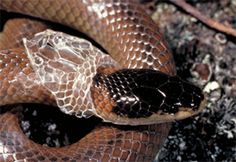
(66,67)
(143,96)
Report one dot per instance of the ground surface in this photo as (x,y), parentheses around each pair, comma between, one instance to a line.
(208,59)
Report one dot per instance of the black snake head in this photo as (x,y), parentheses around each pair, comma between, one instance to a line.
(144,96)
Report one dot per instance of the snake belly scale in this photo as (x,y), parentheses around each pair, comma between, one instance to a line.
(141,62)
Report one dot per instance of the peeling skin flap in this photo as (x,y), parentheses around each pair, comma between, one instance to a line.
(66,66)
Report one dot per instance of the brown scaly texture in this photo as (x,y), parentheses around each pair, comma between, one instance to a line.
(11,39)
(131,38)
(121,27)
(16,73)
(103,144)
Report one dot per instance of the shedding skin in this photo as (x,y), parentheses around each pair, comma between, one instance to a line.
(122,27)
(113,143)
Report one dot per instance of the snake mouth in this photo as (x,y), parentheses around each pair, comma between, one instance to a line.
(142,97)
(183,113)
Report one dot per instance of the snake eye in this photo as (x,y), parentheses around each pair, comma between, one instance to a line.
(147,96)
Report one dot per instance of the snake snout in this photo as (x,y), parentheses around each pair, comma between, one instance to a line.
(144,96)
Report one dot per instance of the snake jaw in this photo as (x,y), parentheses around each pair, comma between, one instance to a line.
(142,96)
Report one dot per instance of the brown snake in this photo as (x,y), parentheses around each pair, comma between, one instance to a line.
(130,37)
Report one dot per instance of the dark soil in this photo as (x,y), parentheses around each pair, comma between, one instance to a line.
(208,59)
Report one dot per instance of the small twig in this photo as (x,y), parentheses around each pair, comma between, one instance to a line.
(206,20)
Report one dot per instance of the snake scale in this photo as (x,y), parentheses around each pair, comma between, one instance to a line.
(135,86)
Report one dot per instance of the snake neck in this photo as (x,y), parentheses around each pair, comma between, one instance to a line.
(65,65)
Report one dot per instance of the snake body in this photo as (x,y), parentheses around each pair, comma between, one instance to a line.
(131,38)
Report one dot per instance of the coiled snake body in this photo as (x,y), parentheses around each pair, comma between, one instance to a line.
(131,88)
